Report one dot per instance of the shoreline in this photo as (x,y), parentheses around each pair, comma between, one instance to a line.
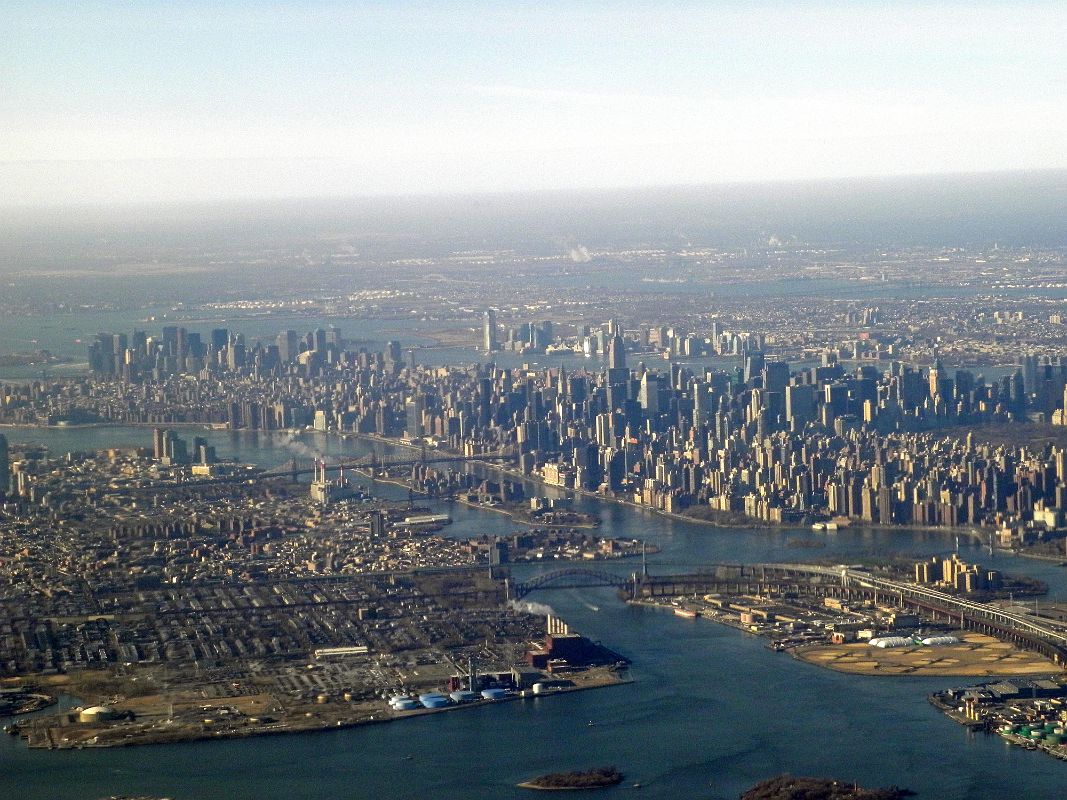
(45,738)
(516,517)
(76,426)
(1058,560)
(747,524)
(797,653)
(538,788)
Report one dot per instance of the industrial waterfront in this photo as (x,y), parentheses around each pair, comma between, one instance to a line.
(878,731)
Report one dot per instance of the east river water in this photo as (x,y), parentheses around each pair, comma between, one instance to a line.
(710,712)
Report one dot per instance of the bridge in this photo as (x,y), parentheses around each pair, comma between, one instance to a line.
(370,463)
(1043,636)
(374,464)
(571,578)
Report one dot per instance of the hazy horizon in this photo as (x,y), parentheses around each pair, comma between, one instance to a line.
(13,205)
(1009,208)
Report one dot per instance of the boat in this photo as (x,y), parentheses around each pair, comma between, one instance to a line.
(685,612)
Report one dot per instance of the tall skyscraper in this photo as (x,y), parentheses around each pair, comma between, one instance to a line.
(775,376)
(288,346)
(170,339)
(159,443)
(616,352)
(754,363)
(392,353)
(489,332)
(5,467)
(649,394)
(800,405)
(937,372)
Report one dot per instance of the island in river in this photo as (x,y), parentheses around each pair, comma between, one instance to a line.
(596,778)
(787,787)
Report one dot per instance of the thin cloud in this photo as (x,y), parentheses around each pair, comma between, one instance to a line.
(569,96)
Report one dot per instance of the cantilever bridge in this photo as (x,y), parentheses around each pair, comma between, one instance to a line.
(373,463)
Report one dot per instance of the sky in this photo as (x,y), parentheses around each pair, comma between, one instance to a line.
(142,101)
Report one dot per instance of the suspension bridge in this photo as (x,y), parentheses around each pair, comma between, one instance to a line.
(374,464)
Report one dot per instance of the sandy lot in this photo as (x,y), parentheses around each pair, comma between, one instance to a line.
(977,655)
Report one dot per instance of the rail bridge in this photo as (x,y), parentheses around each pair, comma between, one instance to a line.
(570,578)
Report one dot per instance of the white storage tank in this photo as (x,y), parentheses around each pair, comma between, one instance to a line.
(940,641)
(98,714)
(890,641)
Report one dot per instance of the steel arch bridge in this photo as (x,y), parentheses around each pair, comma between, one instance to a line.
(570,578)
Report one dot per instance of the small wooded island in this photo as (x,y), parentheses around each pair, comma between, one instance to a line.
(788,787)
(597,778)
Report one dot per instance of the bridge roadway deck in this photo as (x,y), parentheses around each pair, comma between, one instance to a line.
(364,463)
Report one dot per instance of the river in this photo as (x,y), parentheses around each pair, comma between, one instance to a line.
(710,711)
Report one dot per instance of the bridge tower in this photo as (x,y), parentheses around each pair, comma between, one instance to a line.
(293,470)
